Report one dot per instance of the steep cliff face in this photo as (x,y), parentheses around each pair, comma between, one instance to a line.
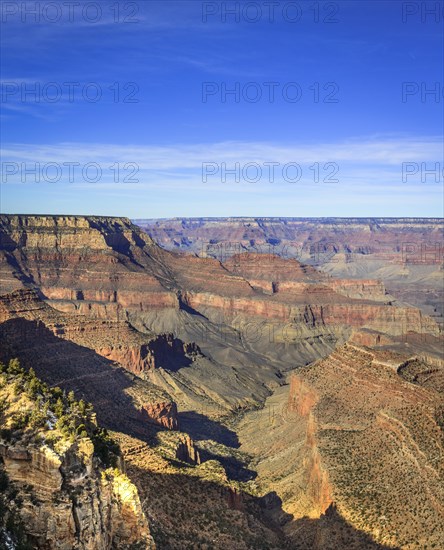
(302,398)
(202,322)
(115,340)
(318,492)
(107,267)
(314,308)
(361,437)
(83,259)
(405,253)
(363,289)
(79,354)
(162,351)
(75,506)
(60,489)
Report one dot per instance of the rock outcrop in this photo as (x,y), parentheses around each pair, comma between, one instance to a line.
(362,440)
(407,254)
(162,413)
(187,452)
(67,503)
(59,491)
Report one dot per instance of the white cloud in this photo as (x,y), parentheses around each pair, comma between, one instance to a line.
(368,152)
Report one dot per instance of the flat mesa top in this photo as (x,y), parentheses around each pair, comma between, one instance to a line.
(288,219)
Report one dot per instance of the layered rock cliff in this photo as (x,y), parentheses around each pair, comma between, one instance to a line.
(79,354)
(108,267)
(405,253)
(114,339)
(202,321)
(77,507)
(362,440)
(269,232)
(60,488)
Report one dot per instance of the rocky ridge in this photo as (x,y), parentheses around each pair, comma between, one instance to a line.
(159,341)
(365,442)
(405,253)
(61,493)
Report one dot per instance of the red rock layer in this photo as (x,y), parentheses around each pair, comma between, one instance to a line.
(77,352)
(106,267)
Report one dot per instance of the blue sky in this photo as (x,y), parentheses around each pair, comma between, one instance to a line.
(129,115)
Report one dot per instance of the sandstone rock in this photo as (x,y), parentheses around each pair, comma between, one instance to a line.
(163,414)
(356,436)
(72,511)
(187,452)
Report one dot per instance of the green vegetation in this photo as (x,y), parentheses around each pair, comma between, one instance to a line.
(105,447)
(52,413)
(33,412)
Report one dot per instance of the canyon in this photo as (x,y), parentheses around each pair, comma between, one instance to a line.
(406,254)
(245,390)
(365,442)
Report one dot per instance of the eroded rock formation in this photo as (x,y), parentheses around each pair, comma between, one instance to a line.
(364,440)
(96,307)
(57,488)
(405,253)
(187,452)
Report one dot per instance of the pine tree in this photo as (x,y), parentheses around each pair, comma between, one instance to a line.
(59,408)
(14,367)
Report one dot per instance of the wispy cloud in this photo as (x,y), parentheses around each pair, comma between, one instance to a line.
(364,152)
(367,170)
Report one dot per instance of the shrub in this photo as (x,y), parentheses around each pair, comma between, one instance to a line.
(105,447)
(73,418)
(14,367)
